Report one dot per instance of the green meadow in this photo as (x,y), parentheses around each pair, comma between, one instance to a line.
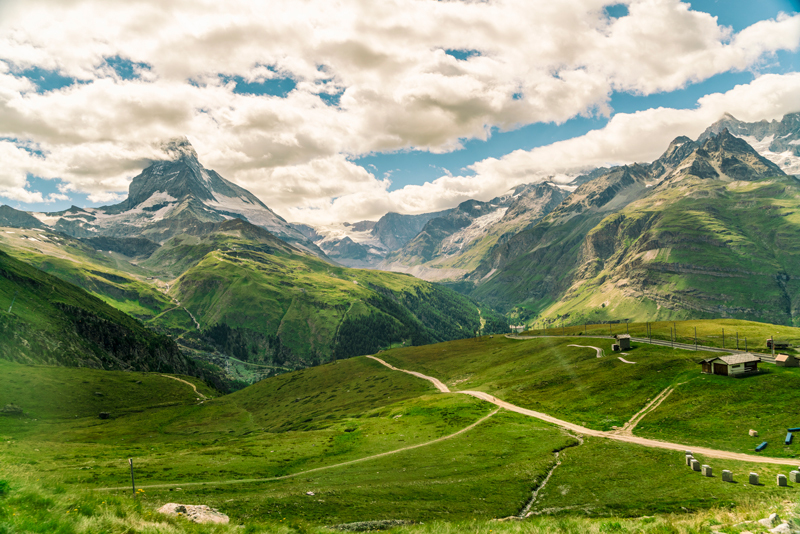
(354,441)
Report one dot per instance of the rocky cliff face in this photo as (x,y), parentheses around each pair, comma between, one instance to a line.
(778,141)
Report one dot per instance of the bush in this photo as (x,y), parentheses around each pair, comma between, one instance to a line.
(4,488)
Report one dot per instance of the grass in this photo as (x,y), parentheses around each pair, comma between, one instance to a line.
(610,478)
(710,332)
(201,451)
(718,412)
(548,375)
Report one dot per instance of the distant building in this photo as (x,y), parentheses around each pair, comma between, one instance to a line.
(778,344)
(624,341)
(731,365)
(518,328)
(786,360)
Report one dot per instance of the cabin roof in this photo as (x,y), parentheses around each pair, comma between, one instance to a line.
(734,359)
(784,357)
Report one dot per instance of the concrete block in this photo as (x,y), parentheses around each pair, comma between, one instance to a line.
(707,472)
(794,477)
(689,460)
(727,476)
(754,433)
(782,480)
(753,479)
(695,465)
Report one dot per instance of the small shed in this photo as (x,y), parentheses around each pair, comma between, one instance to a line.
(732,365)
(786,360)
(624,341)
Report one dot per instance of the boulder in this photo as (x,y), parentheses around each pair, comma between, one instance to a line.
(199,513)
(104,415)
(770,521)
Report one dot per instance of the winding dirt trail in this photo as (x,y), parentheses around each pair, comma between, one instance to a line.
(435,381)
(350,462)
(599,351)
(615,435)
(188,384)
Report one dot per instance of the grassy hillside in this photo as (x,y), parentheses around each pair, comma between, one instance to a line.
(571,383)
(242,299)
(257,453)
(275,308)
(46,320)
(700,248)
(721,333)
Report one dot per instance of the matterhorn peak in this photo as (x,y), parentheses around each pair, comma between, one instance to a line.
(179,148)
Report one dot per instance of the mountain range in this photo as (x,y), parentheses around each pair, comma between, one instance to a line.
(710,228)
(195,257)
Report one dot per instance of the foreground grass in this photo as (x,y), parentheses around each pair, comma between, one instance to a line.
(27,505)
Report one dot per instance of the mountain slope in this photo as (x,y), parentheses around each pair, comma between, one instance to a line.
(660,240)
(452,245)
(54,322)
(279,307)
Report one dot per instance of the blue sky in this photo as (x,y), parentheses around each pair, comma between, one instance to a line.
(313,127)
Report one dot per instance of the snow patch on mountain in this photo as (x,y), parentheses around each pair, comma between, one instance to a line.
(456,242)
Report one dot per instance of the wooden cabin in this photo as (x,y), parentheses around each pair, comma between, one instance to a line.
(731,365)
(786,360)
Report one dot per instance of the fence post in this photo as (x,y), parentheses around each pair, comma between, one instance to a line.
(737,340)
(609,330)
(695,339)
(745,344)
(672,336)
(627,330)
(133,481)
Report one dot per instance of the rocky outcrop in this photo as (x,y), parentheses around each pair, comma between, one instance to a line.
(199,513)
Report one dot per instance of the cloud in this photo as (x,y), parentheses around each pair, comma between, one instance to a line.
(398,88)
(627,138)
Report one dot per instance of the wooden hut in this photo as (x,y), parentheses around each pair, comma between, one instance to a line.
(786,360)
(732,365)
(624,341)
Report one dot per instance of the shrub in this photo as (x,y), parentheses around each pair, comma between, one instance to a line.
(4,488)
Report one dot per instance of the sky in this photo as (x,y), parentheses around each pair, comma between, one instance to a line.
(344,110)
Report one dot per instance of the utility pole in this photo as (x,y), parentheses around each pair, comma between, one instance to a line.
(627,330)
(772,342)
(695,339)
(672,335)
(737,340)
(745,344)
(133,481)
(609,330)
(723,338)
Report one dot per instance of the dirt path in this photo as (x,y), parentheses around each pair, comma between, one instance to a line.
(628,438)
(652,405)
(623,360)
(188,384)
(526,511)
(436,382)
(350,462)
(599,351)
